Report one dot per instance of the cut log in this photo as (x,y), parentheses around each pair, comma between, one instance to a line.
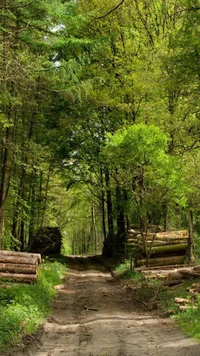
(166,248)
(189,274)
(186,307)
(150,237)
(174,276)
(172,283)
(18,277)
(166,237)
(181,300)
(36,256)
(161,261)
(161,242)
(159,268)
(18,260)
(132,244)
(18,268)
(170,273)
(133,237)
(130,241)
(166,234)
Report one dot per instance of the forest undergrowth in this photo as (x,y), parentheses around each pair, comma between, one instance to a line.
(155,296)
(23,307)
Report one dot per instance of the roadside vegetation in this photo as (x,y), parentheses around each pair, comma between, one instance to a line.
(154,295)
(23,307)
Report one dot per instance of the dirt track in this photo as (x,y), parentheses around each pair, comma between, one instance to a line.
(95,316)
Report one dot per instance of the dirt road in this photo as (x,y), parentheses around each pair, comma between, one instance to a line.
(95,316)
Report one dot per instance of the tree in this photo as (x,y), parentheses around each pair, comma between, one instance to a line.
(139,156)
(29,45)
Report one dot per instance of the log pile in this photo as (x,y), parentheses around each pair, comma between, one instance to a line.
(157,248)
(19,266)
(184,303)
(47,240)
(170,273)
(188,303)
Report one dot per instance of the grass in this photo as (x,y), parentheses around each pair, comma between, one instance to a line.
(23,307)
(126,270)
(153,295)
(189,321)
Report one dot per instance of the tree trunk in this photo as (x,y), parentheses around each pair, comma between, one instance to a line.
(103,209)
(190,236)
(45,196)
(109,241)
(121,230)
(165,210)
(5,180)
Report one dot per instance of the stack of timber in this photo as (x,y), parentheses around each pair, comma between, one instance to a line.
(157,248)
(47,240)
(19,266)
(171,275)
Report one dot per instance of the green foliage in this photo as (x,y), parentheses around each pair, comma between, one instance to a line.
(142,144)
(189,320)
(126,270)
(139,161)
(10,242)
(68,79)
(140,153)
(23,307)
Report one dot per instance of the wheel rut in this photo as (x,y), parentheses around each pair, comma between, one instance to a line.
(93,315)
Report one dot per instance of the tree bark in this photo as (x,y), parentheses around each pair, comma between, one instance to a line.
(30,278)
(121,230)
(108,248)
(36,256)
(166,249)
(161,261)
(18,260)
(18,268)
(5,181)
(190,236)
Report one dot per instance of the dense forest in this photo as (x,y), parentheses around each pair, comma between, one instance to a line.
(99,120)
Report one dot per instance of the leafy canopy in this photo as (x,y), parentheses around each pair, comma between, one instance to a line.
(139,155)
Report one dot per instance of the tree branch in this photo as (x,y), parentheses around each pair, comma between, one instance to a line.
(20,5)
(184,10)
(109,12)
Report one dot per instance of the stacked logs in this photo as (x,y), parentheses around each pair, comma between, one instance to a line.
(19,266)
(157,249)
(47,240)
(171,275)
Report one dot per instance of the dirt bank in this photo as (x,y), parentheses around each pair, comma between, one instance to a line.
(94,315)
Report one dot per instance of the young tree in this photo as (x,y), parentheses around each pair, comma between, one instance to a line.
(139,155)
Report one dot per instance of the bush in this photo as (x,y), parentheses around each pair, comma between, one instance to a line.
(126,270)
(23,307)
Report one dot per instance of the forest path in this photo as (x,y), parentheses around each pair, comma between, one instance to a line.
(94,315)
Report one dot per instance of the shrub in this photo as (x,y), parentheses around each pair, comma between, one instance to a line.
(23,307)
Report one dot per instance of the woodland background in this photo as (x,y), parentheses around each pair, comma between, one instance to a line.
(99,120)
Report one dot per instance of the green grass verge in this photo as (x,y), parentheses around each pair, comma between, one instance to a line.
(23,307)
(189,321)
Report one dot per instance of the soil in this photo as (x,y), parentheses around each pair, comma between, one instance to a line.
(95,314)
